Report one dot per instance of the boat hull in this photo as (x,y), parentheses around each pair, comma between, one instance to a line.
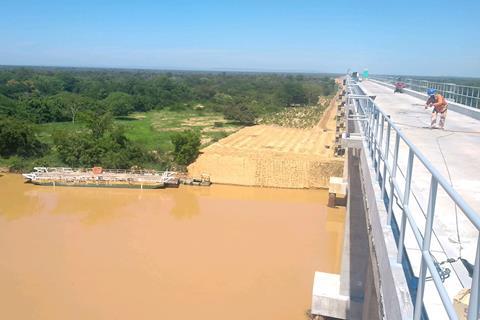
(99,185)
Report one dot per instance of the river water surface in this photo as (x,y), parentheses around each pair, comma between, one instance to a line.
(205,253)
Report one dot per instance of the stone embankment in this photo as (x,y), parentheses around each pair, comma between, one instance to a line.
(274,156)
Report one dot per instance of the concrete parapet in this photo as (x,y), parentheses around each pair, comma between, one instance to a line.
(393,297)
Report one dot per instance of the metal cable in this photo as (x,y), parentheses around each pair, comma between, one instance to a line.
(437,139)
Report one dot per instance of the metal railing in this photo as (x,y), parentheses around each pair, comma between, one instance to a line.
(102,171)
(380,132)
(466,95)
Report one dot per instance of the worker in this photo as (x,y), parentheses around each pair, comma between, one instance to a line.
(439,104)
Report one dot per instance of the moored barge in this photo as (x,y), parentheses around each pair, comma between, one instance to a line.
(102,178)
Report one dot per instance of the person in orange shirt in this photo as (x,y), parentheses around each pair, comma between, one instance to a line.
(439,104)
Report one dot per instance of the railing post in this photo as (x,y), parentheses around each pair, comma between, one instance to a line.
(379,146)
(375,134)
(392,177)
(370,125)
(385,161)
(406,198)
(473,305)
(478,98)
(425,248)
(454,92)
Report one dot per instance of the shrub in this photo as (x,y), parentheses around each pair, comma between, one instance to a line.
(240,113)
(19,138)
(186,146)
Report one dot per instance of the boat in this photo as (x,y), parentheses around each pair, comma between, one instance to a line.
(102,178)
(203,181)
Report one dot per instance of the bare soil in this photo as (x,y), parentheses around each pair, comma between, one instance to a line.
(274,156)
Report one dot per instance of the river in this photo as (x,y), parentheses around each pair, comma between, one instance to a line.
(219,252)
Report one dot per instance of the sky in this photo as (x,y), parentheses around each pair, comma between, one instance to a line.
(437,38)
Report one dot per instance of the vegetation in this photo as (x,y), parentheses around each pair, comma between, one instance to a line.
(18,138)
(241,113)
(186,146)
(296,117)
(103,143)
(118,118)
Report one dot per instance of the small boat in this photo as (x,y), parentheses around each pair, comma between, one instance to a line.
(203,181)
(102,178)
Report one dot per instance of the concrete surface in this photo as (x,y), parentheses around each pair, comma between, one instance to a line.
(326,298)
(455,153)
(338,186)
(453,106)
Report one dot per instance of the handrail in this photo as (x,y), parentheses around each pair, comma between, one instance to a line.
(469,211)
(462,94)
(373,130)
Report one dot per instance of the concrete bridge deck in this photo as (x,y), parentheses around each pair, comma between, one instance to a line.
(398,167)
(455,153)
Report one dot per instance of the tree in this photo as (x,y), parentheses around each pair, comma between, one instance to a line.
(98,122)
(119,103)
(48,85)
(222,99)
(76,149)
(240,113)
(292,92)
(103,144)
(18,138)
(72,102)
(40,110)
(69,81)
(7,105)
(186,146)
(312,92)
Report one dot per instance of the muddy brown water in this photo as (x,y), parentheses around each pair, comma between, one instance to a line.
(222,252)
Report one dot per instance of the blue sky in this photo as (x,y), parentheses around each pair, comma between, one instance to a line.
(398,37)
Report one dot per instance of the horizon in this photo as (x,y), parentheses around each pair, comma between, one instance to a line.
(166,69)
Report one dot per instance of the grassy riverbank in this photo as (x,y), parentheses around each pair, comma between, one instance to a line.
(152,130)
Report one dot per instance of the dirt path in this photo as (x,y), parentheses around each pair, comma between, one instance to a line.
(328,120)
(273,156)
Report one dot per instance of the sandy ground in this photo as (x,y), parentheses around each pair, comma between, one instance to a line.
(273,156)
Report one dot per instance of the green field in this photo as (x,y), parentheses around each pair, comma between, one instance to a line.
(153,129)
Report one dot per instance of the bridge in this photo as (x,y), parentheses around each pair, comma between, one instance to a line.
(412,246)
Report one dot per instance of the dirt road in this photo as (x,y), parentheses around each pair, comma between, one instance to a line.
(273,156)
